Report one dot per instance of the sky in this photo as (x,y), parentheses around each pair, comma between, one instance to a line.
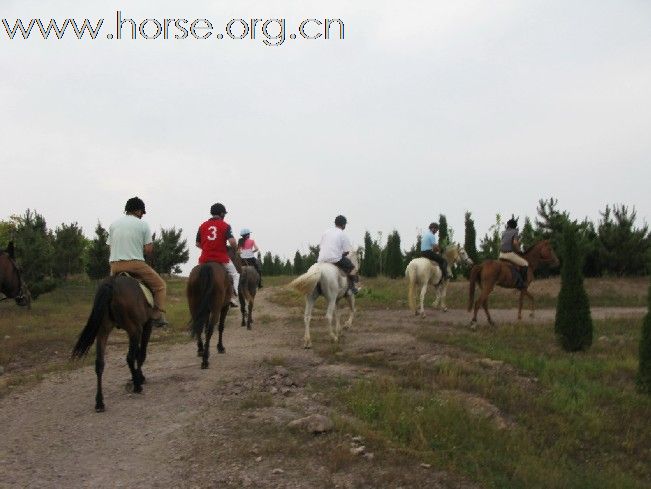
(424,108)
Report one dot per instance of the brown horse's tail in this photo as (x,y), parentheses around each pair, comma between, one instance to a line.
(206,288)
(474,277)
(101,305)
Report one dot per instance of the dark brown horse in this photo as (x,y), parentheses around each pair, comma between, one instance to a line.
(209,290)
(12,285)
(247,290)
(119,301)
(499,272)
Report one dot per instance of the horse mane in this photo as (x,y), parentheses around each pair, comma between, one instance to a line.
(537,243)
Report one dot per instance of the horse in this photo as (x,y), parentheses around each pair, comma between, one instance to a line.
(499,272)
(423,271)
(120,302)
(328,280)
(208,290)
(12,285)
(246,291)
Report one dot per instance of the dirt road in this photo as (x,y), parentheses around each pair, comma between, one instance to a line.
(222,427)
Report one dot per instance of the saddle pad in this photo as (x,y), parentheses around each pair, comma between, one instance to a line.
(145,290)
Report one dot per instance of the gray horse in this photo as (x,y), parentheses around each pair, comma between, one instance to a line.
(248,287)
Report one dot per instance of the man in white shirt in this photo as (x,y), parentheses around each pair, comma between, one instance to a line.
(334,247)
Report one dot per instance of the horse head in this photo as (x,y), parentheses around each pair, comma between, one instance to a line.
(547,254)
(465,258)
(14,285)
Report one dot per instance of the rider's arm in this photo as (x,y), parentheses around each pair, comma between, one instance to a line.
(233,243)
(149,249)
(198,239)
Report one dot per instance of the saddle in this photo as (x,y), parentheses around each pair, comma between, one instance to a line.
(145,290)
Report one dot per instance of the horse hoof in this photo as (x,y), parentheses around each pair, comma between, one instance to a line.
(221,349)
(242,325)
(100,409)
(142,379)
(204,365)
(137,389)
(249,327)
(445,309)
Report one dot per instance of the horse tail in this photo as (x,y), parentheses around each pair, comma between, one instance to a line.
(473,279)
(101,304)
(247,283)
(412,285)
(206,287)
(305,283)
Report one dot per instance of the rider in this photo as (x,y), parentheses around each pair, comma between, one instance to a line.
(129,236)
(334,248)
(508,248)
(212,237)
(248,248)
(429,248)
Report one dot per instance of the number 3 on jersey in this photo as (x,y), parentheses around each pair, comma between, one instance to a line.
(213,233)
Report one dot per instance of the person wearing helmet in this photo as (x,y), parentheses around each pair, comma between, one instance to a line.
(334,248)
(129,240)
(509,247)
(248,248)
(429,248)
(212,237)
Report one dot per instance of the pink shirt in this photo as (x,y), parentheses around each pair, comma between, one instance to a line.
(246,250)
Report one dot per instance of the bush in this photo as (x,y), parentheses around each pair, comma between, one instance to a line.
(644,375)
(573,321)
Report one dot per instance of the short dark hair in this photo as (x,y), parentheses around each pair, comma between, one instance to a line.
(340,221)
(134,204)
(217,209)
(433,225)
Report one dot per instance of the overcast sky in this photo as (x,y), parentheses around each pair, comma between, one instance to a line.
(424,108)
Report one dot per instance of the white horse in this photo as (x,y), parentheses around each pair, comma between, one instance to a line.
(329,281)
(423,271)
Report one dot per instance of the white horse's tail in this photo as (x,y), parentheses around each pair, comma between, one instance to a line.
(410,273)
(305,283)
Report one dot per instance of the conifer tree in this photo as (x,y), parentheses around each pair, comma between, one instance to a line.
(97,255)
(35,252)
(573,325)
(444,235)
(69,246)
(394,267)
(644,373)
(169,251)
(371,262)
(298,263)
(470,237)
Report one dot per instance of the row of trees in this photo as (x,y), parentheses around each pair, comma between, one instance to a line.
(49,256)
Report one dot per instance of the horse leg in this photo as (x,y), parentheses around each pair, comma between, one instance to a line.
(206,346)
(242,308)
(351,303)
(100,350)
(307,317)
(442,294)
(533,305)
(423,291)
(337,316)
(330,312)
(484,298)
(134,347)
(520,298)
(144,341)
(199,346)
(249,318)
(222,320)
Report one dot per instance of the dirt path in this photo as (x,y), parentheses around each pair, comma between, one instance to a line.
(223,427)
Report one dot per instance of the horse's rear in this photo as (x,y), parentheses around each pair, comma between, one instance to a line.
(120,301)
(208,290)
(420,272)
(247,289)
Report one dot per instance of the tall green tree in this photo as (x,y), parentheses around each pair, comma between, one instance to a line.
(298,267)
(573,324)
(69,246)
(623,247)
(170,251)
(268,264)
(470,237)
(414,251)
(394,263)
(97,255)
(35,251)
(644,372)
(489,247)
(444,234)
(527,234)
(370,265)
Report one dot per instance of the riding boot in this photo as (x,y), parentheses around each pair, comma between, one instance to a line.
(352,279)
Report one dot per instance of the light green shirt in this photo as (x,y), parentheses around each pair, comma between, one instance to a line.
(127,238)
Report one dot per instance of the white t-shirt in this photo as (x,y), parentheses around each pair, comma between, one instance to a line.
(127,238)
(334,243)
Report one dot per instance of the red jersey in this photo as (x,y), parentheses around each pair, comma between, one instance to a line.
(212,237)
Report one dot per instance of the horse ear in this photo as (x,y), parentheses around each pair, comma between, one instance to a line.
(10,250)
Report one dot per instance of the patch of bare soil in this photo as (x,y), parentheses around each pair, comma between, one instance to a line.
(221,427)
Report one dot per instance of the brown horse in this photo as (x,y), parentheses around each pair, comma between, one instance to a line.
(12,285)
(247,290)
(208,290)
(499,272)
(119,301)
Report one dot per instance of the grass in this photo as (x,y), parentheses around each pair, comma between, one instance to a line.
(575,420)
(386,293)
